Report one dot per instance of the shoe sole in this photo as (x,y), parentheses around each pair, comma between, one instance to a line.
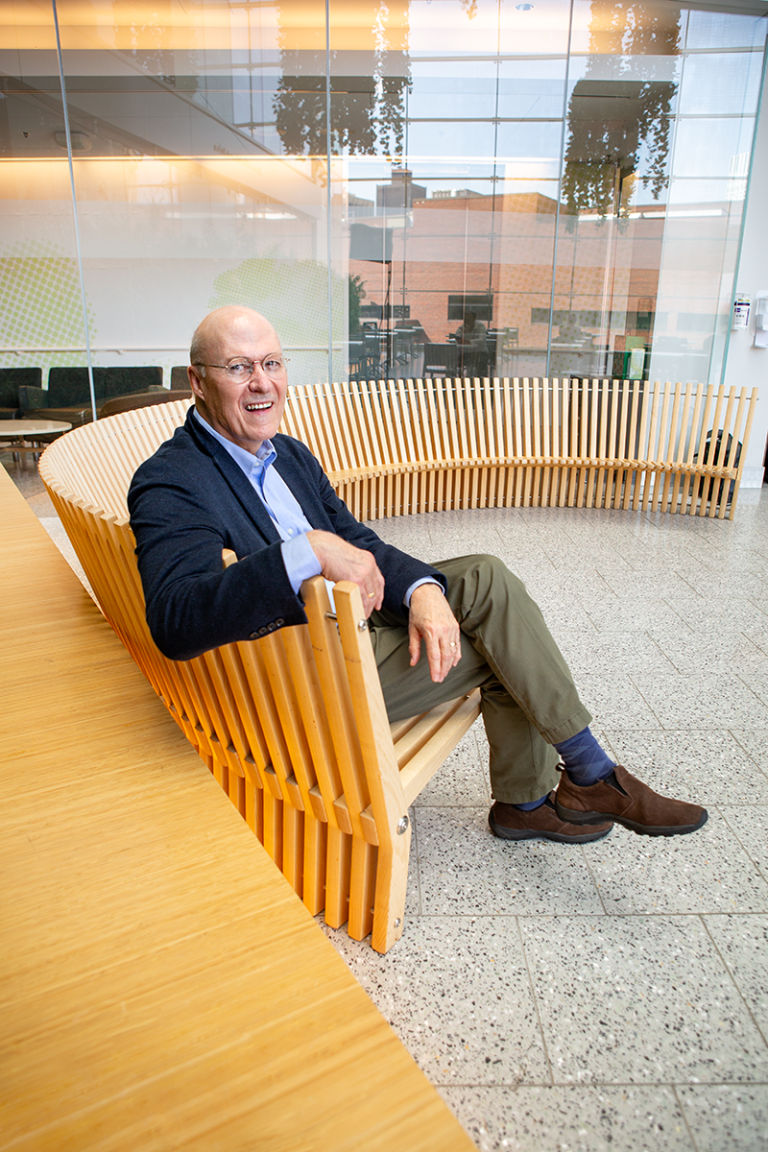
(513,834)
(572,817)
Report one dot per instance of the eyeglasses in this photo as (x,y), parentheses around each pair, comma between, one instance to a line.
(239,371)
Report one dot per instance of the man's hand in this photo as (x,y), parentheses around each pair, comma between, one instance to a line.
(342,561)
(431,619)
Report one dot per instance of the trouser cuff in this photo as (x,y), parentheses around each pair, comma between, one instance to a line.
(576,723)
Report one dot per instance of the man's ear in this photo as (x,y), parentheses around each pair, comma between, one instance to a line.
(194,381)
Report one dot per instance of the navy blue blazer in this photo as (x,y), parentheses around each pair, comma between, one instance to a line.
(190,500)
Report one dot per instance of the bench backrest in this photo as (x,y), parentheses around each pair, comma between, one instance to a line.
(293,726)
(513,442)
(93,465)
(491,443)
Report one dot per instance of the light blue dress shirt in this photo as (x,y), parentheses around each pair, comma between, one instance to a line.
(285,511)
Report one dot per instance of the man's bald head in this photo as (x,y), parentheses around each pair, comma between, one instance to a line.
(245,407)
(225,321)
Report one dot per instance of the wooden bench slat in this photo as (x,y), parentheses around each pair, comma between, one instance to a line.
(443,737)
(420,732)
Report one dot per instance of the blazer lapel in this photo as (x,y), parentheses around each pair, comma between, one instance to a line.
(235,479)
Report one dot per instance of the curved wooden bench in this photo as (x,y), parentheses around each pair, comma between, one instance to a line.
(397,447)
(293,726)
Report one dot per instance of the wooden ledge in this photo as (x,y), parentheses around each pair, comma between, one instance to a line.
(162,984)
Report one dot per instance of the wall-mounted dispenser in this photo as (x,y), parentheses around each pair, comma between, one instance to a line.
(761,319)
(740,319)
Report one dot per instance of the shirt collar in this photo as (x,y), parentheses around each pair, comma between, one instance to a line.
(250,463)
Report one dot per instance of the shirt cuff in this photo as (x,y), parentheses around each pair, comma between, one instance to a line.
(300,560)
(424,580)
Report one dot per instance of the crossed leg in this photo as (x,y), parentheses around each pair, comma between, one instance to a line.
(529,700)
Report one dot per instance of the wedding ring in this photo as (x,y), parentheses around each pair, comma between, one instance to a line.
(371,595)
(453,644)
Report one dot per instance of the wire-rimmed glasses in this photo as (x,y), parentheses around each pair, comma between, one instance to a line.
(238,371)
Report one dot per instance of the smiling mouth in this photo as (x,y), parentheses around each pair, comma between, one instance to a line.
(260,407)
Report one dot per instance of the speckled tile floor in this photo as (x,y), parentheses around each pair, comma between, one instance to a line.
(614,995)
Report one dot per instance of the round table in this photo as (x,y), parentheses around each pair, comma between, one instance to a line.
(22,436)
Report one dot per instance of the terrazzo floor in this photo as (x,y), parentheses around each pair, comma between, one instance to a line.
(612,996)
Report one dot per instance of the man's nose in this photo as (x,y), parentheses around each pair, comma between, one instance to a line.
(258,377)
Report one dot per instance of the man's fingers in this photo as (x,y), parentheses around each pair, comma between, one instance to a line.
(340,560)
(414,646)
(373,598)
(443,654)
(372,592)
(435,659)
(454,649)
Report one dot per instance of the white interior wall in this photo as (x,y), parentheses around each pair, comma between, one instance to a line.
(747,366)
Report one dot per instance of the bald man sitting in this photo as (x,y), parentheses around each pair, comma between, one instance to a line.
(229,479)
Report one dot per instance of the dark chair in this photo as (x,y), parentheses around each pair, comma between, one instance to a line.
(356,358)
(68,395)
(11,379)
(722,458)
(179,378)
(441,360)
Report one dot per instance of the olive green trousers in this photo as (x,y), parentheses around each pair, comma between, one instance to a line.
(529,700)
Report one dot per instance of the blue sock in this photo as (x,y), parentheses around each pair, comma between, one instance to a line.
(584,759)
(531,804)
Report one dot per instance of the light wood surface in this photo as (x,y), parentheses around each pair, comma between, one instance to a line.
(21,428)
(162,985)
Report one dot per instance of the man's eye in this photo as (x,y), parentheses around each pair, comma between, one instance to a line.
(240,369)
(271,365)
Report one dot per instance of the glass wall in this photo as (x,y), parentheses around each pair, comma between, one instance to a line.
(417,187)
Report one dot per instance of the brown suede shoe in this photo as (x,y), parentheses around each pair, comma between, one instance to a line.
(625,799)
(542,823)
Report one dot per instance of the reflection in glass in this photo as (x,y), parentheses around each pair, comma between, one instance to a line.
(579,201)
(613,122)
